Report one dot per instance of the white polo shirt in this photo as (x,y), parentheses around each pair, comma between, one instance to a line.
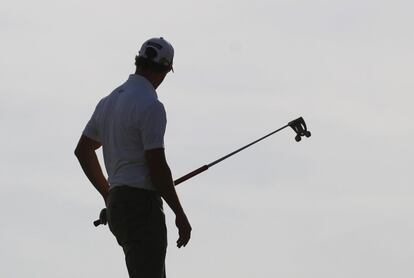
(128,122)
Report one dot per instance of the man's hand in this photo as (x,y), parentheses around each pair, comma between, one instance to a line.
(103,217)
(184,229)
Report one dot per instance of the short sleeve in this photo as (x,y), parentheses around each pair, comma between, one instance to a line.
(92,129)
(153,124)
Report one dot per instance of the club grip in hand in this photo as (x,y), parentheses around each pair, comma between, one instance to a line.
(102,218)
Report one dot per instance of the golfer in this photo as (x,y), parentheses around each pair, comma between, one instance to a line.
(130,124)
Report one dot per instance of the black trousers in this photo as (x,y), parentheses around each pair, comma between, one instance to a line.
(137,220)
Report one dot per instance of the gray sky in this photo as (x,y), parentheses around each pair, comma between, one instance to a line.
(337,205)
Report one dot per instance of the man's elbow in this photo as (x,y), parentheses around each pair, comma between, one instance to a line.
(78,153)
(81,152)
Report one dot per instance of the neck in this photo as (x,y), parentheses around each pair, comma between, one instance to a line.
(151,77)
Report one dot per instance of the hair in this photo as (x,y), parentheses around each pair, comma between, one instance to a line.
(147,63)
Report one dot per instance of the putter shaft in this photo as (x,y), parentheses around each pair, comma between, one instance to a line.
(298,125)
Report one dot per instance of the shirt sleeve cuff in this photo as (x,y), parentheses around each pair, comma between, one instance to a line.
(92,136)
(153,146)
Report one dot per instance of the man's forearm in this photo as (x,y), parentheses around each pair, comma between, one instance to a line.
(90,165)
(163,181)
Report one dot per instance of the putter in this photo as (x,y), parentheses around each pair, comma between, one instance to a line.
(298,126)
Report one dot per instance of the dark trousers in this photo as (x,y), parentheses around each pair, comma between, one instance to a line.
(137,220)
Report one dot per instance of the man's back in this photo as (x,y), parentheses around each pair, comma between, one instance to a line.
(119,123)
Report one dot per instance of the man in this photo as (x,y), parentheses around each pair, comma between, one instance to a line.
(129,124)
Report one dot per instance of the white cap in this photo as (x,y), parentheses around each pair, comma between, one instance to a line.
(164,52)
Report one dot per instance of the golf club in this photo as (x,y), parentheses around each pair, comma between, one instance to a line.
(298,126)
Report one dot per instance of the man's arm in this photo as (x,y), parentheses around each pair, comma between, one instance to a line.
(161,178)
(85,152)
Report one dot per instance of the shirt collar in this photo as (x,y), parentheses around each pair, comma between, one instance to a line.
(142,81)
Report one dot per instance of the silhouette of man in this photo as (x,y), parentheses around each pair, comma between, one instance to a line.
(130,124)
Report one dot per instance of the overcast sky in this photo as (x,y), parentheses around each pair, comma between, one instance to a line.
(339,204)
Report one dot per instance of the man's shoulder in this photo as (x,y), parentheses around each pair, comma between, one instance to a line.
(152,108)
(155,105)
(142,97)
(101,103)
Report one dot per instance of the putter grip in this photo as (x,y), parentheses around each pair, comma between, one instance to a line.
(190,175)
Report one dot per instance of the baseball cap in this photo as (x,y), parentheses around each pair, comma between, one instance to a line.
(158,50)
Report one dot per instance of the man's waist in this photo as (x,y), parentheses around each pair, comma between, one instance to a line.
(125,194)
(141,184)
(126,189)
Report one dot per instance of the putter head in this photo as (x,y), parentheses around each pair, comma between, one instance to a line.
(299,127)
